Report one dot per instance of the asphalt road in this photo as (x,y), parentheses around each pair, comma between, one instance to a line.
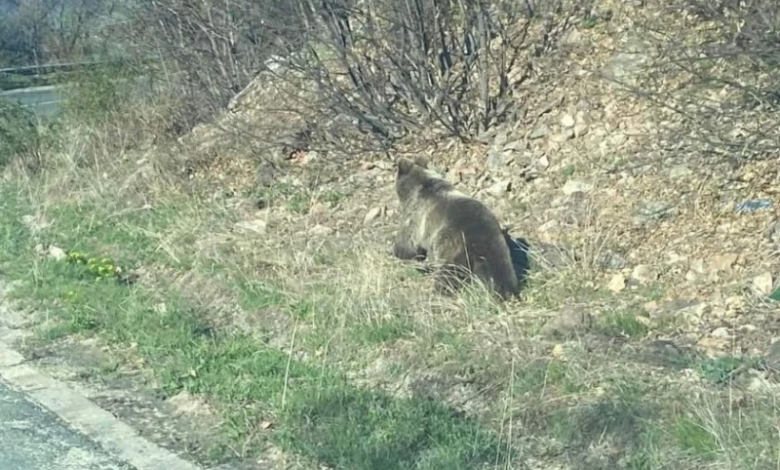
(44,100)
(32,438)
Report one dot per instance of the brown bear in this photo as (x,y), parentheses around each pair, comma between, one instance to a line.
(455,231)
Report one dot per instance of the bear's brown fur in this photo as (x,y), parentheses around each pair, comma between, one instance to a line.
(455,231)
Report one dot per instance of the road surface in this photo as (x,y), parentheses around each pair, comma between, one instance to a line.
(32,438)
(43,100)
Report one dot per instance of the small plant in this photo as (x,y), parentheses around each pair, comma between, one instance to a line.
(720,369)
(623,323)
(694,437)
(97,268)
(19,136)
(590,22)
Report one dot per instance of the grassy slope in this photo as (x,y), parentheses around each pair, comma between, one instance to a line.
(332,353)
(317,343)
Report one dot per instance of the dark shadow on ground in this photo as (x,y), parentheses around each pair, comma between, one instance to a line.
(518,251)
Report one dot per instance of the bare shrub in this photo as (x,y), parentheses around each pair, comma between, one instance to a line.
(722,78)
(400,67)
(389,68)
(19,136)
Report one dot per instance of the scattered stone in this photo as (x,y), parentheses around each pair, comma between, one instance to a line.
(653,212)
(644,274)
(758,384)
(495,160)
(309,157)
(515,146)
(501,138)
(186,404)
(763,283)
(320,231)
(573,186)
(567,323)
(539,132)
(773,232)
(710,343)
(580,130)
(499,188)
(772,358)
(544,162)
(617,283)
(258,226)
(666,353)
(373,214)
(724,262)
(563,136)
(680,171)
(676,308)
(611,260)
(35,223)
(550,255)
(567,121)
(56,253)
(721,332)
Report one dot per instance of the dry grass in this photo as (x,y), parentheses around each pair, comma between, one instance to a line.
(302,331)
(340,302)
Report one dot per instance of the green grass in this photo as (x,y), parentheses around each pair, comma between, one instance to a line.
(316,412)
(591,408)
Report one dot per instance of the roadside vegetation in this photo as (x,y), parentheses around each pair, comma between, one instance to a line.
(142,226)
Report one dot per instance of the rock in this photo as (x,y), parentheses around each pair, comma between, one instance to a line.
(680,171)
(548,226)
(373,214)
(499,188)
(539,132)
(711,344)
(772,358)
(644,274)
(56,253)
(677,308)
(258,226)
(573,186)
(35,223)
(758,384)
(495,160)
(721,332)
(567,121)
(610,259)
(580,130)
(563,136)
(544,162)
(514,146)
(763,283)
(653,212)
(567,323)
(773,232)
(617,283)
(501,138)
(320,231)
(722,262)
(309,157)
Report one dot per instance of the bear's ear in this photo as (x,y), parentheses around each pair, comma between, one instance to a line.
(421,161)
(405,166)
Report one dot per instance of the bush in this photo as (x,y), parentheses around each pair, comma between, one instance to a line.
(724,76)
(392,68)
(19,135)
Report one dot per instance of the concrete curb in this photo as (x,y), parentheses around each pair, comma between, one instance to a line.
(96,423)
